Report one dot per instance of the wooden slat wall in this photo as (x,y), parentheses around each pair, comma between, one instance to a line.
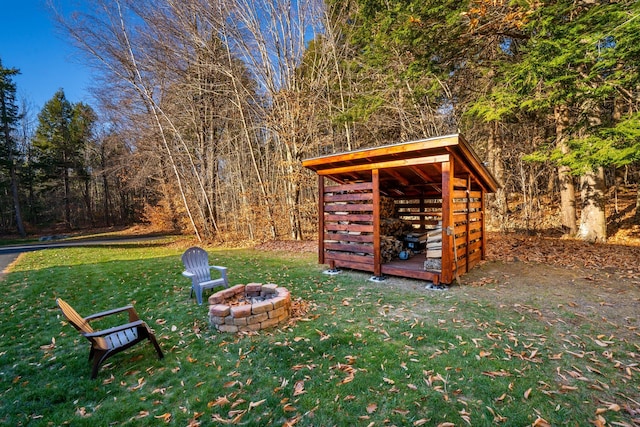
(468,212)
(348,225)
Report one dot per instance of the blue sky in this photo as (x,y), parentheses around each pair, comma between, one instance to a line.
(30,42)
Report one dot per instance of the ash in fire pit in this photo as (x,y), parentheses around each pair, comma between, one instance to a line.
(251,307)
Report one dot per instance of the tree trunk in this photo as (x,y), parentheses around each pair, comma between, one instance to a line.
(87,200)
(567,189)
(593,222)
(16,199)
(67,196)
(494,158)
(638,204)
(105,185)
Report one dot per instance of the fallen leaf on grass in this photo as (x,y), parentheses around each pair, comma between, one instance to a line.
(49,346)
(256,404)
(291,422)
(82,412)
(500,373)
(371,408)
(298,388)
(141,382)
(222,400)
(420,422)
(166,417)
(142,414)
(217,418)
(323,336)
(447,424)
(527,393)
(237,403)
(540,422)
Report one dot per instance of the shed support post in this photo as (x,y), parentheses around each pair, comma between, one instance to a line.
(321,221)
(448,227)
(483,238)
(468,226)
(377,260)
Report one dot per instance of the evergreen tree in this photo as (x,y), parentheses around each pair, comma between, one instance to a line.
(59,144)
(9,117)
(574,63)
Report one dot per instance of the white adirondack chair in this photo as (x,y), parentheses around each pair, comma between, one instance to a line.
(197,268)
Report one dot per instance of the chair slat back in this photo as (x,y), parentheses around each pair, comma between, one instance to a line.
(80,324)
(73,317)
(196,261)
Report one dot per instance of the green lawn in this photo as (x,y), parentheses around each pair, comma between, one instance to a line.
(364,354)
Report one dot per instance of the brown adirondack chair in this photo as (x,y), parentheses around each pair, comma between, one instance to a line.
(197,268)
(110,341)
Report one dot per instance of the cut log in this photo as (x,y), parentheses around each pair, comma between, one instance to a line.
(434,253)
(387,207)
(434,242)
(433,264)
(390,248)
(394,227)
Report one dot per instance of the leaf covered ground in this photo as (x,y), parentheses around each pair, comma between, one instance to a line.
(518,342)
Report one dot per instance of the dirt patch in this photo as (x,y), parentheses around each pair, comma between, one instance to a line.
(594,283)
(593,296)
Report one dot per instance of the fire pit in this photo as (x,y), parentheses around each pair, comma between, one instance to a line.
(248,308)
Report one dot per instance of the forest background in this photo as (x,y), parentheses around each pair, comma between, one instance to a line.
(204,111)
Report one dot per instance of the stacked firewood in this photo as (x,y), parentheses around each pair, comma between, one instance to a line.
(434,249)
(390,248)
(387,207)
(434,242)
(394,227)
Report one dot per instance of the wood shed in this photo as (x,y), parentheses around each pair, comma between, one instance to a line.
(414,209)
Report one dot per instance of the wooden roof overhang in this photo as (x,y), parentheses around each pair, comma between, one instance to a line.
(406,169)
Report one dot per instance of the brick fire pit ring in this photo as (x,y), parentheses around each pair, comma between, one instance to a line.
(249,308)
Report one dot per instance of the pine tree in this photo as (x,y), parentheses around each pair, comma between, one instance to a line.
(9,117)
(59,144)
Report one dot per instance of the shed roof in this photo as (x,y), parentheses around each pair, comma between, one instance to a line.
(406,168)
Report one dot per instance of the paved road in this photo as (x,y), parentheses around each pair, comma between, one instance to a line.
(9,253)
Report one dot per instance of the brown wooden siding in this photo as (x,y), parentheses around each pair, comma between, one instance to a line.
(348,225)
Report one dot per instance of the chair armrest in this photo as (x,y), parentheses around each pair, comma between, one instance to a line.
(119,328)
(128,308)
(223,272)
(188,274)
